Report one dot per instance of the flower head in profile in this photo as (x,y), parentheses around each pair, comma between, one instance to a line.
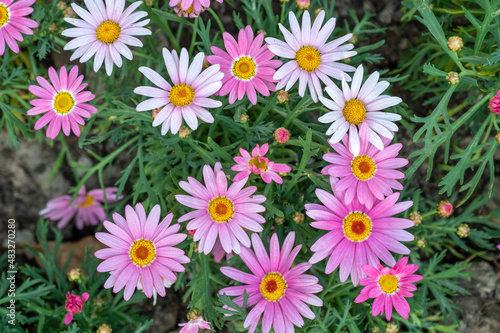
(87,207)
(358,104)
(195,322)
(189,95)
(312,58)
(140,248)
(369,175)
(74,305)
(13,23)
(247,66)
(389,287)
(259,165)
(192,6)
(220,212)
(279,291)
(105,30)
(357,235)
(63,101)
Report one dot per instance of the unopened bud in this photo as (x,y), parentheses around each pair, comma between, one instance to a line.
(104,328)
(193,314)
(196,248)
(69,12)
(52,27)
(298,217)
(99,302)
(416,217)
(279,220)
(283,174)
(353,39)
(346,60)
(206,64)
(421,242)
(149,3)
(452,78)
(455,43)
(74,274)
(191,232)
(61,5)
(283,96)
(155,112)
(318,11)
(445,208)
(262,32)
(184,132)
(497,137)
(244,118)
(376,329)
(303,4)
(392,327)
(281,135)
(463,230)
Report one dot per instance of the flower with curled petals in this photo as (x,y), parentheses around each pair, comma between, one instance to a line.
(140,248)
(247,66)
(191,6)
(278,291)
(13,23)
(63,101)
(189,95)
(220,212)
(389,287)
(312,58)
(105,30)
(357,235)
(359,104)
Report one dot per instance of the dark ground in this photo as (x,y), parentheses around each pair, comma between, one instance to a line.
(24,186)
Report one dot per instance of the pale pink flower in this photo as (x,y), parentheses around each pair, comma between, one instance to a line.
(140,248)
(281,135)
(62,101)
(195,6)
(279,291)
(258,165)
(105,31)
(389,287)
(247,66)
(194,325)
(13,23)
(312,58)
(357,235)
(87,207)
(369,175)
(74,305)
(189,95)
(220,212)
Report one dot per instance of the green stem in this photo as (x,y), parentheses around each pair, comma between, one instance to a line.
(438,227)
(193,38)
(217,19)
(282,17)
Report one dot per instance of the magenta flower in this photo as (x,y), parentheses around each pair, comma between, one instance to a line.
(87,207)
(221,213)
(191,5)
(194,325)
(277,291)
(74,305)
(13,23)
(389,287)
(259,165)
(369,175)
(140,248)
(247,66)
(498,247)
(63,102)
(357,235)
(494,104)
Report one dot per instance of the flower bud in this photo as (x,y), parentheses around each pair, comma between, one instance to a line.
(69,12)
(184,132)
(497,137)
(74,274)
(104,328)
(303,4)
(455,43)
(445,208)
(452,78)
(244,118)
(392,327)
(283,96)
(61,5)
(421,242)
(318,11)
(99,302)
(298,217)
(279,220)
(193,314)
(191,232)
(149,3)
(494,104)
(353,39)
(206,64)
(196,248)
(416,217)
(376,329)
(262,32)
(281,135)
(155,112)
(52,27)
(463,230)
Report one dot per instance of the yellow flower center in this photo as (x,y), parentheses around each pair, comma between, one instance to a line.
(308,58)
(221,209)
(260,165)
(388,283)
(273,286)
(142,252)
(354,111)
(363,167)
(4,15)
(108,31)
(357,226)
(63,102)
(181,95)
(89,200)
(190,9)
(244,68)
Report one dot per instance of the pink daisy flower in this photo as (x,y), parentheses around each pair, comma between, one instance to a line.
(63,102)
(13,23)
(313,59)
(187,98)
(74,305)
(87,207)
(105,30)
(189,6)
(389,287)
(360,104)
(221,212)
(140,248)
(277,291)
(357,235)
(259,165)
(195,323)
(247,66)
(369,175)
